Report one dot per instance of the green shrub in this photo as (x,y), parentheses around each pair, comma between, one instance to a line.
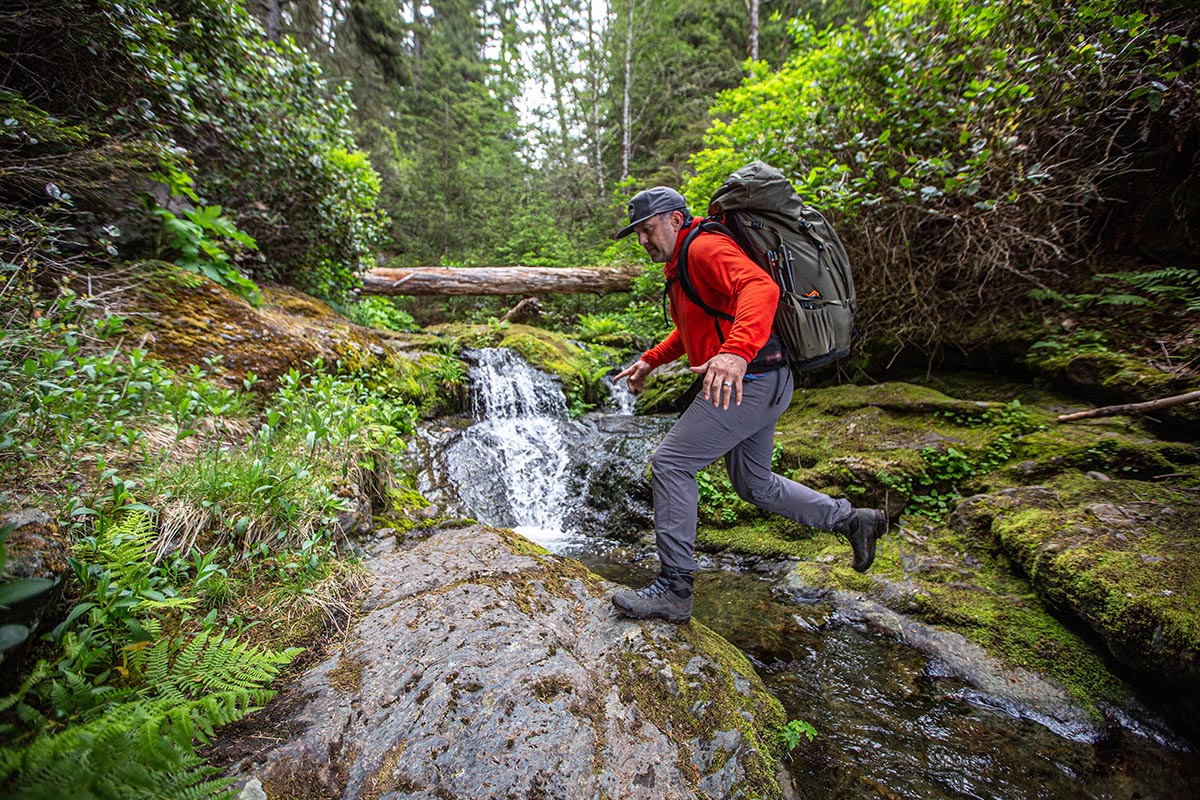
(144,89)
(135,687)
(959,145)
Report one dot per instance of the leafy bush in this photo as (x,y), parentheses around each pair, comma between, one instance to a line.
(146,88)
(380,312)
(199,238)
(958,144)
(72,398)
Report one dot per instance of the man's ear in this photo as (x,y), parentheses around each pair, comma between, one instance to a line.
(677,220)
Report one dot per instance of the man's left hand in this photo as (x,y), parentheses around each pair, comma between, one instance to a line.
(723,375)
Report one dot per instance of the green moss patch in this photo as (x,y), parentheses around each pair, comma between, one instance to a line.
(693,701)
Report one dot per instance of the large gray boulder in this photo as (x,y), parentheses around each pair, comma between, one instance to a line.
(483,667)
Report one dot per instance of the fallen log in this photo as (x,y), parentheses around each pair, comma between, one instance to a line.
(1132,408)
(497,280)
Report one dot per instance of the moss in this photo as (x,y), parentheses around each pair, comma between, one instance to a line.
(696,706)
(1020,633)
(663,388)
(1134,583)
(433,383)
(580,369)
(347,676)
(384,780)
(772,537)
(518,544)
(1107,447)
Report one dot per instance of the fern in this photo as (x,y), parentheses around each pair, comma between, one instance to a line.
(120,715)
(1165,284)
(134,751)
(1123,300)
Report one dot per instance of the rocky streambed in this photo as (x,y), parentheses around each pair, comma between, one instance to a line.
(1028,628)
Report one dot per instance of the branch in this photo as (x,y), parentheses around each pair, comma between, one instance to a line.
(1132,408)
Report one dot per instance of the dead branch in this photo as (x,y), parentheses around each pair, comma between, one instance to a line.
(1132,408)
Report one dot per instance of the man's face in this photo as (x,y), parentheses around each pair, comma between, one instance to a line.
(658,235)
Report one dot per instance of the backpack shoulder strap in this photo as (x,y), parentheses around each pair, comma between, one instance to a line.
(710,226)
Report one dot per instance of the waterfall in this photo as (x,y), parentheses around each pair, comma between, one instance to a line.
(511,465)
(571,485)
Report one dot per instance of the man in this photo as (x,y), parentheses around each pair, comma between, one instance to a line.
(744,386)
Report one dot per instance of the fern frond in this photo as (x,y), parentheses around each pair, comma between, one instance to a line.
(1124,300)
(1166,283)
(116,755)
(211,662)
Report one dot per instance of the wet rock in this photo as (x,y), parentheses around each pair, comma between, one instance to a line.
(1123,567)
(1017,691)
(484,667)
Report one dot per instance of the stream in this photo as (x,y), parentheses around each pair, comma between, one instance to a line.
(892,722)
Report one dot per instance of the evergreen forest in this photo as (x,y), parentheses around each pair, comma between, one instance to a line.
(1017,184)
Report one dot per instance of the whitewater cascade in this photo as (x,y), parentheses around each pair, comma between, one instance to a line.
(512,463)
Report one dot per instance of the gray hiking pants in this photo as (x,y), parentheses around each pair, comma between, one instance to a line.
(745,435)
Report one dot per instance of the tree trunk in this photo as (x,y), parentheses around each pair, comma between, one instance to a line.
(753,29)
(272,17)
(426,281)
(595,73)
(626,136)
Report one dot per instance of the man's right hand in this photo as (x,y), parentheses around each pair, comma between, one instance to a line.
(636,374)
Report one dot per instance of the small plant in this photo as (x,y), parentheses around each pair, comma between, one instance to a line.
(594,327)
(793,731)
(380,312)
(718,500)
(200,239)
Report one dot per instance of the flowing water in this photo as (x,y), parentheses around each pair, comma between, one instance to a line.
(891,721)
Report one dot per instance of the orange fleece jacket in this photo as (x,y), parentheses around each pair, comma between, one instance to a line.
(730,282)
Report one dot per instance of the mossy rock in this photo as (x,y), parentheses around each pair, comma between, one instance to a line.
(581,369)
(188,320)
(1110,377)
(1122,559)
(1106,446)
(974,572)
(664,388)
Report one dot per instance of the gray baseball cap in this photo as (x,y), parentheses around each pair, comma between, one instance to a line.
(648,202)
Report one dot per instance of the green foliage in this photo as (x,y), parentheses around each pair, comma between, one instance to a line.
(793,731)
(132,751)
(953,141)
(1161,289)
(121,710)
(718,500)
(193,87)
(199,238)
(72,398)
(1063,348)
(935,490)
(279,490)
(380,312)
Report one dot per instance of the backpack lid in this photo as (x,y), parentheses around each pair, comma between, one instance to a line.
(757,186)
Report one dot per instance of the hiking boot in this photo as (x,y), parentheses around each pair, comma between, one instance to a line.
(863,529)
(668,596)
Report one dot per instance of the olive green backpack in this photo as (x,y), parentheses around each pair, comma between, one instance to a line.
(758,208)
